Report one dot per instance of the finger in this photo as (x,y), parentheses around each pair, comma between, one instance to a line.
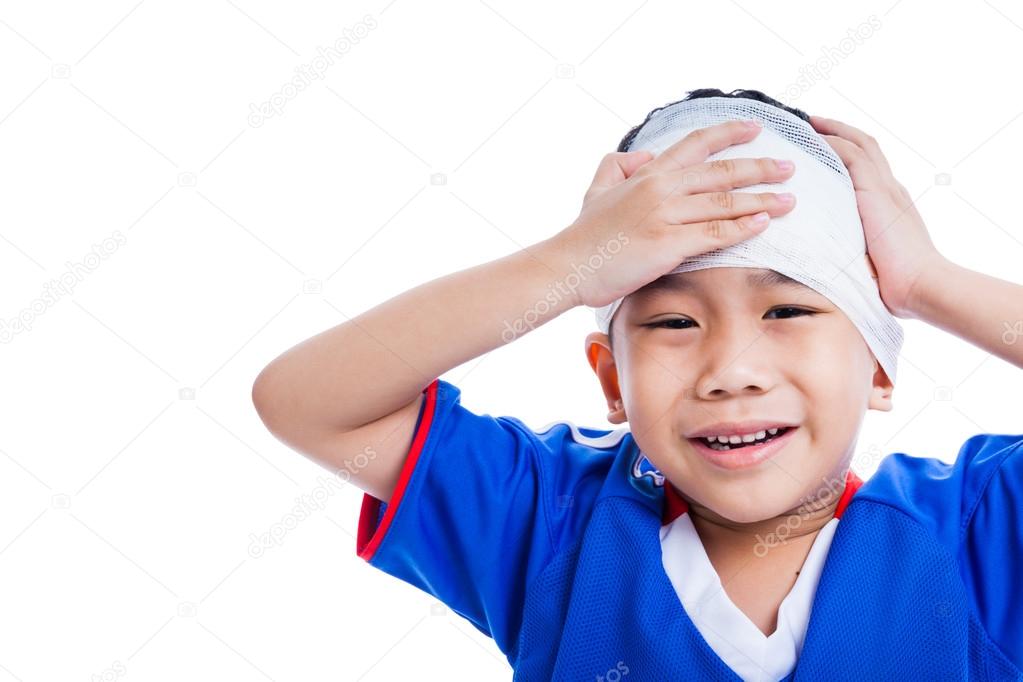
(726,205)
(695,147)
(864,141)
(862,168)
(633,161)
(725,174)
(618,166)
(717,234)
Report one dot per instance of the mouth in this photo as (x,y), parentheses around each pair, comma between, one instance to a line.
(742,455)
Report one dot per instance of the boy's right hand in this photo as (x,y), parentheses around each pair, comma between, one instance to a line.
(663,210)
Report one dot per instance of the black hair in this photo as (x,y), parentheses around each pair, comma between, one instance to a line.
(626,142)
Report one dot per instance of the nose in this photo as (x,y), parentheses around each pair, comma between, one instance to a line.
(734,361)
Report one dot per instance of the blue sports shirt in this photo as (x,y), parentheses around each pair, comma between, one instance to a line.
(548,543)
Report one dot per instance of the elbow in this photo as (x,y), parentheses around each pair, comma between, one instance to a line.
(262,397)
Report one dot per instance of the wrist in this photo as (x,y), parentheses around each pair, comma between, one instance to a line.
(936,278)
(556,254)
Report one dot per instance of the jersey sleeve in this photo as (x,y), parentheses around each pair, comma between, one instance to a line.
(992,538)
(474,516)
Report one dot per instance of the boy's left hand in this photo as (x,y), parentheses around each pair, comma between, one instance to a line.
(898,244)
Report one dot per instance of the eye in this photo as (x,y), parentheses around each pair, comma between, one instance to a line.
(680,323)
(798,311)
(669,324)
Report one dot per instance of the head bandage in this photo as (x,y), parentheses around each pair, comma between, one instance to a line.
(819,243)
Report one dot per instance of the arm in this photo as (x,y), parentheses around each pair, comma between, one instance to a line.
(357,388)
(984,310)
(359,385)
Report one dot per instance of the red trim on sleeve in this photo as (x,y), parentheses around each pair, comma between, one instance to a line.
(675,506)
(368,539)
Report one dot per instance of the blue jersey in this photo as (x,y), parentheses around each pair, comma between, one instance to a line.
(548,543)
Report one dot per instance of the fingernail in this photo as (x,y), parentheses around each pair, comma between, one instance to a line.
(784,165)
(786,197)
(761,219)
(752,123)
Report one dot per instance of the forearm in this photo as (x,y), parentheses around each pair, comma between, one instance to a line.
(380,361)
(984,310)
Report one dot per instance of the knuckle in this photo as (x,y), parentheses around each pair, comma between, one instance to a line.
(692,178)
(652,187)
(698,135)
(643,183)
(605,164)
(725,200)
(653,227)
(700,140)
(715,229)
(660,229)
(656,190)
(726,166)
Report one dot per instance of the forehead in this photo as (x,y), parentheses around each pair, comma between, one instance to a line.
(699,280)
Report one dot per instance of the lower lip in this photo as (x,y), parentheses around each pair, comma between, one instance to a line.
(749,456)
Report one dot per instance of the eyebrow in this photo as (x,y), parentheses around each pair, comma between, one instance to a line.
(756,280)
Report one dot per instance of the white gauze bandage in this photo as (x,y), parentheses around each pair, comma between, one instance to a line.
(819,243)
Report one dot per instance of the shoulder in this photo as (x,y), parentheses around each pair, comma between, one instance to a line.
(578,461)
(562,438)
(572,463)
(579,444)
(944,496)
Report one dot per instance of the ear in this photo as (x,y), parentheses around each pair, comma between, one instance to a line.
(881,390)
(602,361)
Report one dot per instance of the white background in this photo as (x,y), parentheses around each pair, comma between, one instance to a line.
(134,469)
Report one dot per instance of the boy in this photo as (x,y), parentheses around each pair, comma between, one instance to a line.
(721,536)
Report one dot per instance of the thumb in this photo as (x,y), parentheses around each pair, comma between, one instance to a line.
(619,166)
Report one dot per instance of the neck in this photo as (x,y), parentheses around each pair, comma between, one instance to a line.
(796,528)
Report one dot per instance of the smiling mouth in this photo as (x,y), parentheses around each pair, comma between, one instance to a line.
(737,456)
(724,447)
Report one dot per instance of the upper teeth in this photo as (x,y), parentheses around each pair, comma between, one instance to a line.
(748,438)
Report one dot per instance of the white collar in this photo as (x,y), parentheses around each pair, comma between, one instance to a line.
(729,632)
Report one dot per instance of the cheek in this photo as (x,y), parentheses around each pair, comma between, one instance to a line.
(652,392)
(836,388)
(833,357)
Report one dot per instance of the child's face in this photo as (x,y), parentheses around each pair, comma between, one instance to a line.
(723,351)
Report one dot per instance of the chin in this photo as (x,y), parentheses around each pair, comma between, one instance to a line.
(748,515)
(743,508)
